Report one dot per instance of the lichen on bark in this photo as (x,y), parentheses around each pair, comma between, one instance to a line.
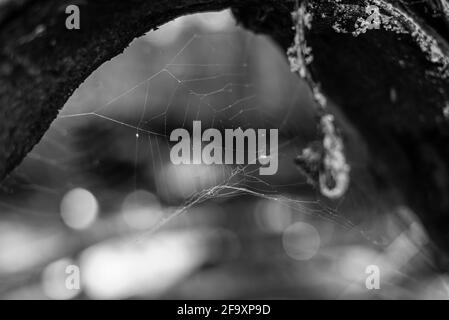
(332,176)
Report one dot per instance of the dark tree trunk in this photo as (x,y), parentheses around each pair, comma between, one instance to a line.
(391,82)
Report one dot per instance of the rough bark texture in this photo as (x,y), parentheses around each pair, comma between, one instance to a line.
(392,85)
(397,97)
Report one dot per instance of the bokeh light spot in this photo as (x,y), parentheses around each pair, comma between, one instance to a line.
(141,210)
(54,279)
(301,241)
(79,208)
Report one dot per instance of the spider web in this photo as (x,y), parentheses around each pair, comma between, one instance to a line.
(112,136)
(206,76)
(233,181)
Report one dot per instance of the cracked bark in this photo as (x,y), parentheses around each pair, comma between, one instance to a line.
(382,81)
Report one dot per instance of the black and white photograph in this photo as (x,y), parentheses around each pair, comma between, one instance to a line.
(224,154)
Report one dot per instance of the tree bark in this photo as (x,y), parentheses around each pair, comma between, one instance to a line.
(391,82)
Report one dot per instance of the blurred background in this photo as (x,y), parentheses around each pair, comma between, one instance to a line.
(99,194)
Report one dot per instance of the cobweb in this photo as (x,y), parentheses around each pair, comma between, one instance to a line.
(112,136)
(198,81)
(168,79)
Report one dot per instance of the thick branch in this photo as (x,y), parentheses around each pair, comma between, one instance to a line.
(42,63)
